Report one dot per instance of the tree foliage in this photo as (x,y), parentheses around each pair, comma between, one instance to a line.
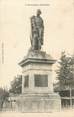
(16,85)
(4,94)
(65,72)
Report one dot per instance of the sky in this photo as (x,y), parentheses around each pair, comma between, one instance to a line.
(15,31)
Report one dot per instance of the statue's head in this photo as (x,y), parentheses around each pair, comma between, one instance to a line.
(38,12)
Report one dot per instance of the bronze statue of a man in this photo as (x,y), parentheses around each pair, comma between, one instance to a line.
(37,31)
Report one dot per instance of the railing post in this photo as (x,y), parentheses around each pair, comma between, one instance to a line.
(70,97)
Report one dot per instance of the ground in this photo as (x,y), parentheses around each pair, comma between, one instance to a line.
(65,113)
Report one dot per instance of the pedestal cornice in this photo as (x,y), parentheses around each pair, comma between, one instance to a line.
(37,57)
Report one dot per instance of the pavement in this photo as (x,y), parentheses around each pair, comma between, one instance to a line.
(63,113)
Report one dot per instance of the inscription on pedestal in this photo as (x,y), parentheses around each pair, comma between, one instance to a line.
(41,80)
(26,81)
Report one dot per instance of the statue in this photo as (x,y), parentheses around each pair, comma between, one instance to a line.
(37,31)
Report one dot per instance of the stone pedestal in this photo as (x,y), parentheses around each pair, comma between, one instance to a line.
(39,102)
(37,87)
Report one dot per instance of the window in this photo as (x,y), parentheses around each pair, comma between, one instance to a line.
(41,80)
(26,81)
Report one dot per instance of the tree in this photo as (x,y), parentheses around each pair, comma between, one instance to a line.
(16,85)
(4,94)
(65,75)
(65,70)
(72,70)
